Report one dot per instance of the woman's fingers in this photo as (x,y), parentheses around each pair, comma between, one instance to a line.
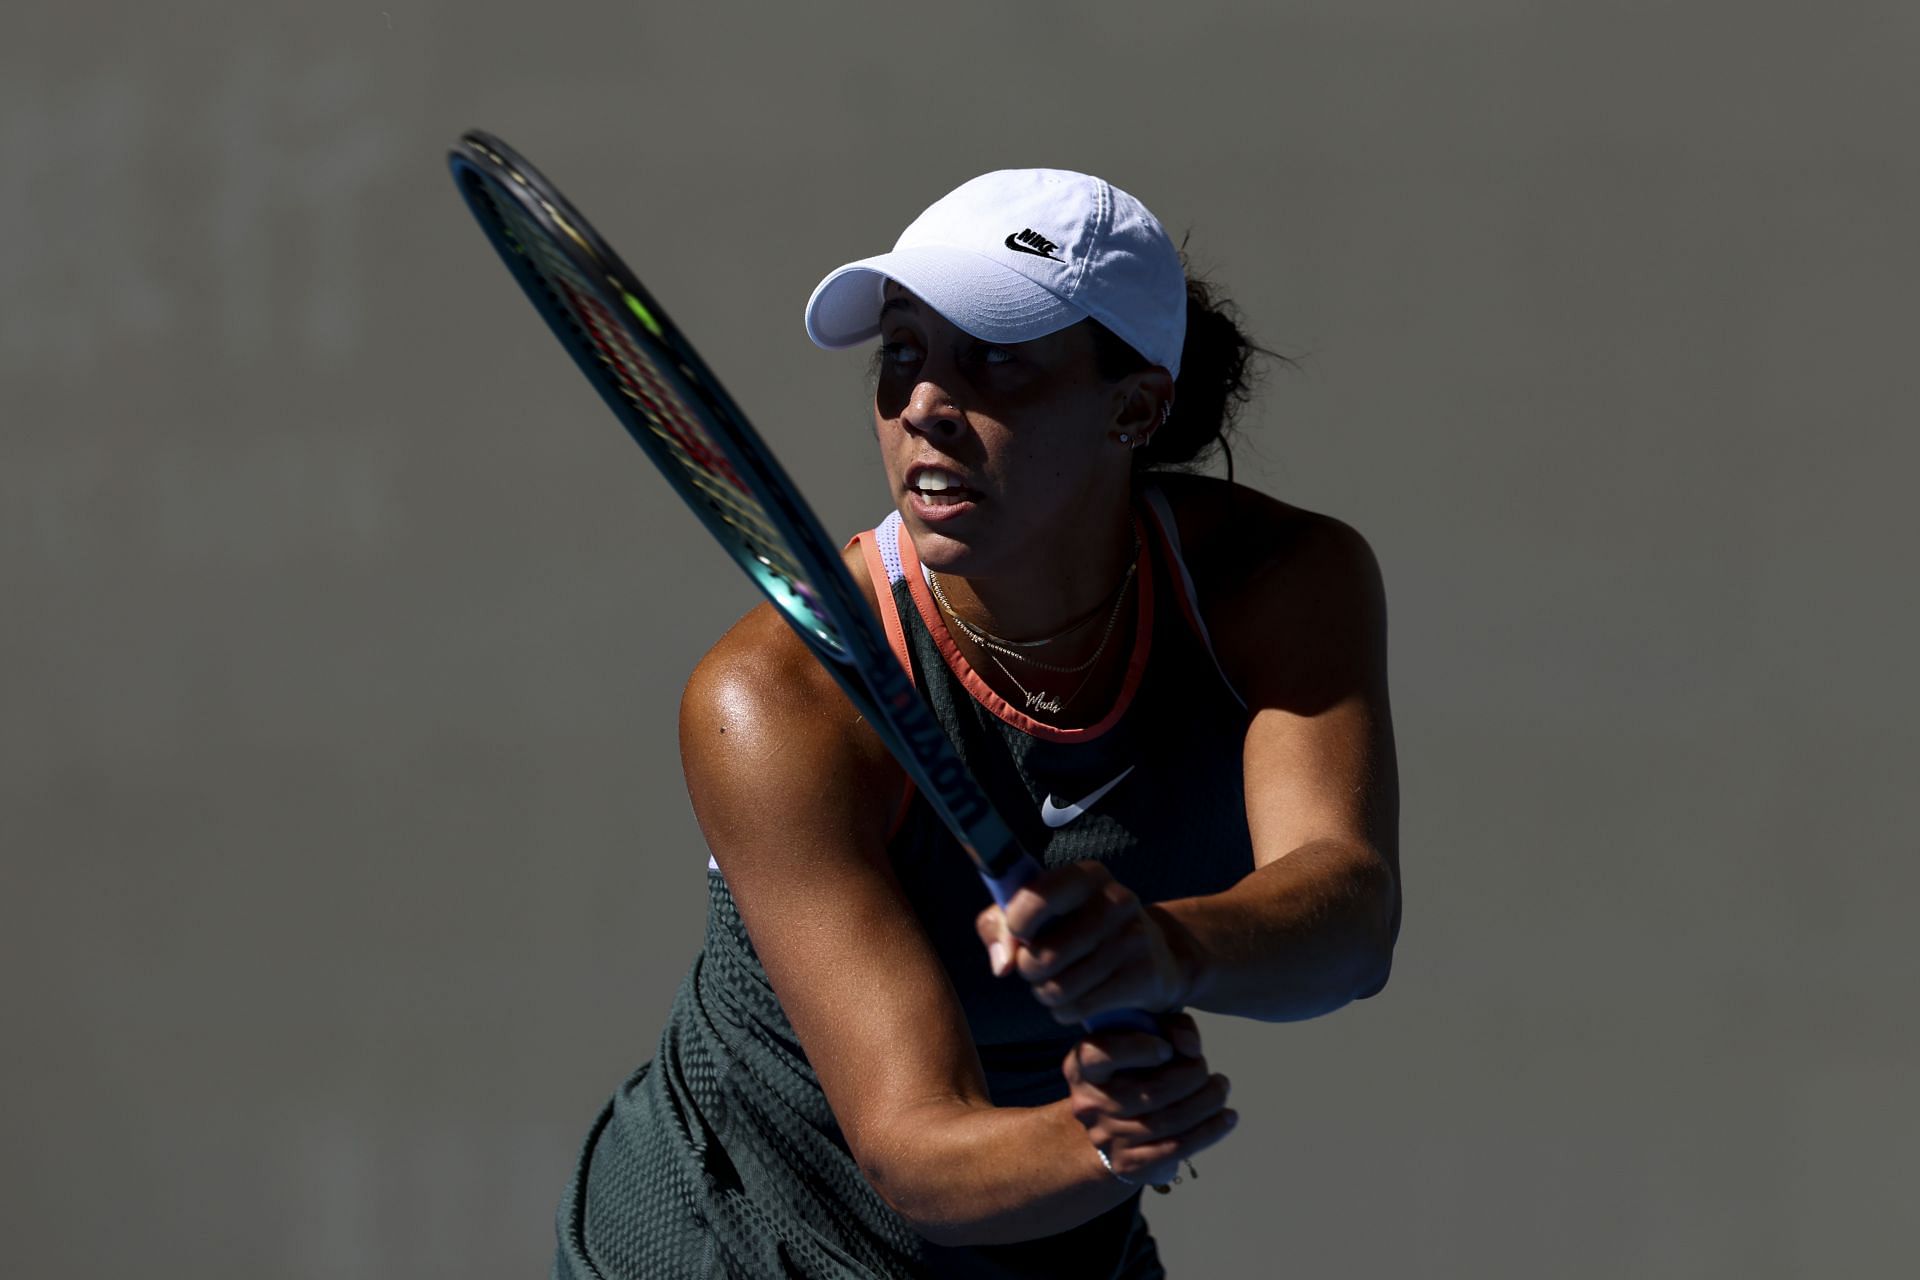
(1169,1119)
(991,926)
(1139,1094)
(1158,1161)
(1148,1101)
(1065,940)
(1054,893)
(1096,931)
(1118,1077)
(1067,994)
(1060,917)
(1085,943)
(1102,1054)
(1183,1032)
(1098,1055)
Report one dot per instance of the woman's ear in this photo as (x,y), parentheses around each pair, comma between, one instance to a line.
(1145,400)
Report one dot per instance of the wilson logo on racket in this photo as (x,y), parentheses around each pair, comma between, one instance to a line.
(930,748)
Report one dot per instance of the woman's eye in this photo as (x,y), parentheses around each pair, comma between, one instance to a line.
(992,355)
(899,353)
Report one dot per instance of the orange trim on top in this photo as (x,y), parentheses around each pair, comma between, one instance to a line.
(883,592)
(983,692)
(897,640)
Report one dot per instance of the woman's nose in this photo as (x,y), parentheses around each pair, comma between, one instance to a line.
(932,411)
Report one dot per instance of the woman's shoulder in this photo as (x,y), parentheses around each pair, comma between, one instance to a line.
(1271,576)
(760,701)
(1231,535)
(756,668)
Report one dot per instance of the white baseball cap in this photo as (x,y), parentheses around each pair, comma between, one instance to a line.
(1017,254)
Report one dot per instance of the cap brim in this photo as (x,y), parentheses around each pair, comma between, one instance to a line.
(985,298)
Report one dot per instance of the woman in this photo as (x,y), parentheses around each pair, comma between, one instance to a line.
(1172,687)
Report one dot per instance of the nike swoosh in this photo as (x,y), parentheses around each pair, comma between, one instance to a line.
(1059,815)
(1017,247)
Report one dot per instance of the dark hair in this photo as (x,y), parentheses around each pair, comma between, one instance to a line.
(1216,379)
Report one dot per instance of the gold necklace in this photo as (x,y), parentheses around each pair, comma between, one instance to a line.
(1039,699)
(997,644)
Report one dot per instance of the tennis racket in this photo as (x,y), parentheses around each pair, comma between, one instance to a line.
(677,411)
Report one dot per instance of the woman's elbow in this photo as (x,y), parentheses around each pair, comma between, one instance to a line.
(1363,962)
(1372,976)
(925,1197)
(1373,957)
(925,1219)
(895,1169)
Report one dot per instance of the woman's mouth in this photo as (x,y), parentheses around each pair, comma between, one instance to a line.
(937,494)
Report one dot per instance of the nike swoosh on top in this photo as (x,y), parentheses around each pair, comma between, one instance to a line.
(1059,815)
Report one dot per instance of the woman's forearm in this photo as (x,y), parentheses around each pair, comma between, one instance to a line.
(965,1175)
(1297,938)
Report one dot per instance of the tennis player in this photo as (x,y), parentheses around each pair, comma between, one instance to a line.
(1173,687)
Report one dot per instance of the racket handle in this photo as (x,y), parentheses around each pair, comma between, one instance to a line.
(1124,1020)
(1004,887)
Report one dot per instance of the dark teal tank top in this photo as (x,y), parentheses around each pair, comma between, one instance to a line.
(720,1156)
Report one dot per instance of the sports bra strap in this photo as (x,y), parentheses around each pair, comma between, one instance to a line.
(886,540)
(1189,598)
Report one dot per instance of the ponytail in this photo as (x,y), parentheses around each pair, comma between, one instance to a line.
(1216,381)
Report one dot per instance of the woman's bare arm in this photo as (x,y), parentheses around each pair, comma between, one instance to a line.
(1298,616)
(1294,605)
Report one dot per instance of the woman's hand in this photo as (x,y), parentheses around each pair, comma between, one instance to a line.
(1086,944)
(1148,1102)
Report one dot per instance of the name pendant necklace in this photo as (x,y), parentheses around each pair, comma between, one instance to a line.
(994,646)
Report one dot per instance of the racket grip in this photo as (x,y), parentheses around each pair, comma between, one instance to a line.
(1004,887)
(1124,1020)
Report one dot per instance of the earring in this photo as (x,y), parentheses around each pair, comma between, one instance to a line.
(1125,438)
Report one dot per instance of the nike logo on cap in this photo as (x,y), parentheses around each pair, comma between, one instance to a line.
(1031,241)
(1059,815)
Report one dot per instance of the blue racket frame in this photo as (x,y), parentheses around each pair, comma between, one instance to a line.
(821,602)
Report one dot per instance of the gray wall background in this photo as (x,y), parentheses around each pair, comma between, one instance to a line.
(347,866)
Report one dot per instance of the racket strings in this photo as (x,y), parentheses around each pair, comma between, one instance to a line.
(640,382)
(606,344)
(638,378)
